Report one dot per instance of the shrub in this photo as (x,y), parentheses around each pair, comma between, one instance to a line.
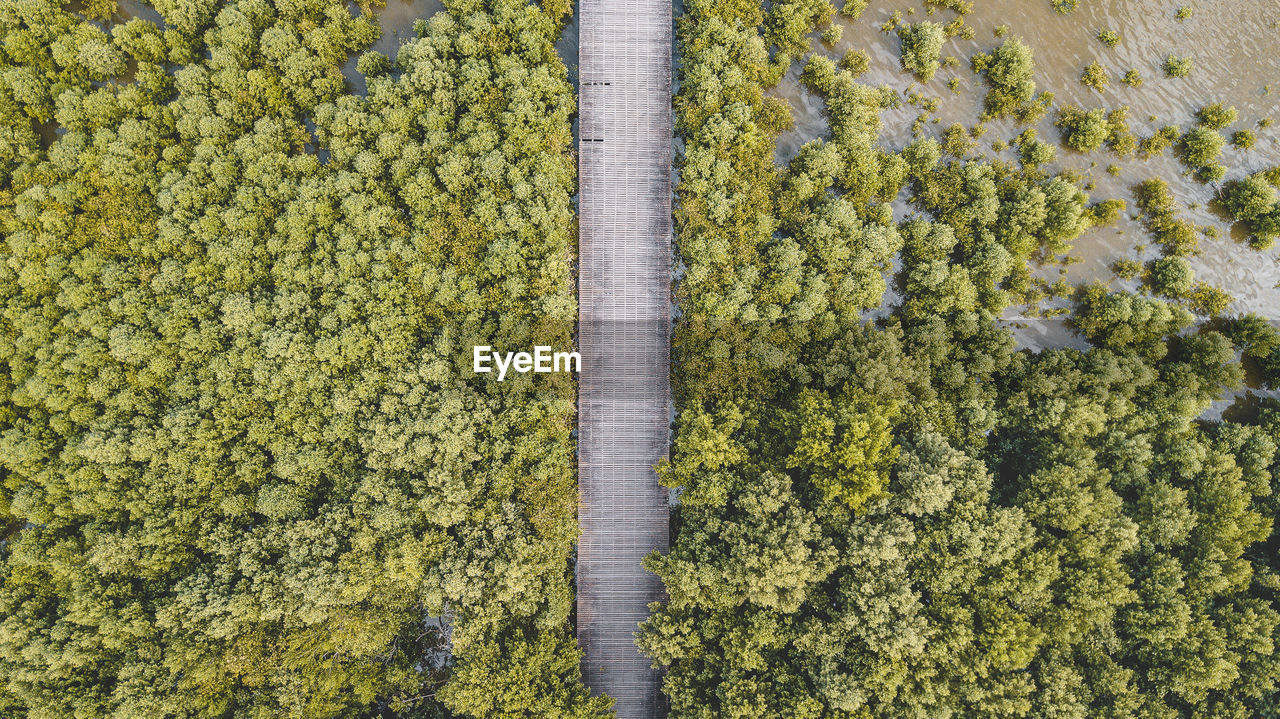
(1243,139)
(1170,276)
(1184,12)
(1120,138)
(1253,201)
(1033,152)
(1083,130)
(921,48)
(1010,73)
(1216,116)
(1265,230)
(854,8)
(373,64)
(1175,235)
(1095,76)
(957,28)
(1208,300)
(959,7)
(833,33)
(1132,78)
(1126,269)
(855,62)
(1123,321)
(1109,37)
(956,141)
(1199,149)
(1106,212)
(819,74)
(1159,142)
(1259,339)
(1254,336)
(1175,66)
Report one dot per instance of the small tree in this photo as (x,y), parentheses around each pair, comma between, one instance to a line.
(922,48)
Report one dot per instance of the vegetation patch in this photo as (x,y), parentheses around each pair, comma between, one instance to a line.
(921,48)
(1254,202)
(1010,71)
(1243,139)
(1259,340)
(1083,130)
(906,516)
(1175,66)
(1162,140)
(1200,148)
(247,470)
(1095,76)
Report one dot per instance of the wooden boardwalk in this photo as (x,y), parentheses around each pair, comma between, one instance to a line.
(624,170)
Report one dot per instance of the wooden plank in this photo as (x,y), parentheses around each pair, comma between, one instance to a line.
(624,166)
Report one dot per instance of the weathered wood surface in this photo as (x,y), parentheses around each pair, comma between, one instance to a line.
(624,170)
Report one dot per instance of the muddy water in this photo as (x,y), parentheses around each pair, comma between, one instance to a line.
(1235,47)
(127,10)
(397,20)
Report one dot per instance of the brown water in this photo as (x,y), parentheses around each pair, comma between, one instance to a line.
(1235,47)
(127,10)
(397,20)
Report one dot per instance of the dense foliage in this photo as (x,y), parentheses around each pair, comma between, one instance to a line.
(906,516)
(922,48)
(246,468)
(1083,130)
(1010,71)
(246,471)
(1259,340)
